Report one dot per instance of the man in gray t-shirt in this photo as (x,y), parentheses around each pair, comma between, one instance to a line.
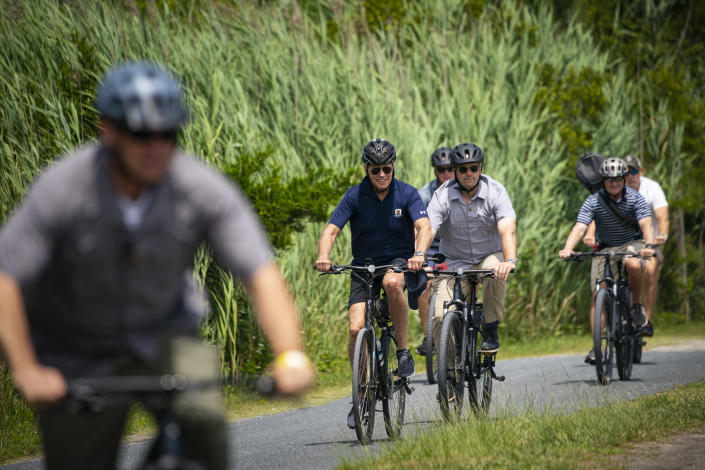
(96,274)
(477,224)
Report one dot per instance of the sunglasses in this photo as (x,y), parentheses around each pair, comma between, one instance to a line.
(472,168)
(144,136)
(614,180)
(385,169)
(444,169)
(634,171)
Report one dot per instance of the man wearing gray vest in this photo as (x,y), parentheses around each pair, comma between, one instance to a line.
(96,275)
(475,219)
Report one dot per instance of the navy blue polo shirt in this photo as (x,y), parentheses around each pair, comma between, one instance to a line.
(381,230)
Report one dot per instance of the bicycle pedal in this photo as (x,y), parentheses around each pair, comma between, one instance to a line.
(500,378)
(408,389)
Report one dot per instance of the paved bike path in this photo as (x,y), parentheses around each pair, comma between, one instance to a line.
(317,437)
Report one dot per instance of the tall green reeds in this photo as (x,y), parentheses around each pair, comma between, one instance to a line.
(315,85)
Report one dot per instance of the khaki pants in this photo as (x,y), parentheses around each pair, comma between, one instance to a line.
(91,440)
(493,292)
(597,268)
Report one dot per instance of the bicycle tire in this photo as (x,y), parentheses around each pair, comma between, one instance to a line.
(394,398)
(364,390)
(638,348)
(451,367)
(625,348)
(486,384)
(603,340)
(474,395)
(431,372)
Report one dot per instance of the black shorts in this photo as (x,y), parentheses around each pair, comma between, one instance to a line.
(358,287)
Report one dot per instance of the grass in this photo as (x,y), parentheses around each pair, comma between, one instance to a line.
(19,438)
(546,440)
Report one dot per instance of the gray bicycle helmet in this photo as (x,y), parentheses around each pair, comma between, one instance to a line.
(441,157)
(613,168)
(378,152)
(142,97)
(466,153)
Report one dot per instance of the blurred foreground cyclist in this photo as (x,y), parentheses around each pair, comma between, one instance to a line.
(96,275)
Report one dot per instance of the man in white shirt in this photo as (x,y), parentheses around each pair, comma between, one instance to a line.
(656,199)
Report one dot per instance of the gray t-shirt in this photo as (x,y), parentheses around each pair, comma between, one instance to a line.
(469,230)
(95,289)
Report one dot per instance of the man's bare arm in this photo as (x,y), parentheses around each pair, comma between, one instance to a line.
(38,384)
(661,215)
(574,237)
(325,245)
(507,234)
(280,321)
(589,237)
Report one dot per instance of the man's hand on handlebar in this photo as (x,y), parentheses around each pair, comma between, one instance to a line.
(502,270)
(41,385)
(646,253)
(323,264)
(415,262)
(565,254)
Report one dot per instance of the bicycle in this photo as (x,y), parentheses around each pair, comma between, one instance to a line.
(375,369)
(96,394)
(459,360)
(613,331)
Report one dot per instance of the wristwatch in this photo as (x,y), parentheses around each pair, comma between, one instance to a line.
(651,245)
(420,253)
(512,260)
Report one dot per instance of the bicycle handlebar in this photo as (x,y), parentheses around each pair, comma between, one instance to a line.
(580,256)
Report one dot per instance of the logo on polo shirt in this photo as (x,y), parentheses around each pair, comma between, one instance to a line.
(397,213)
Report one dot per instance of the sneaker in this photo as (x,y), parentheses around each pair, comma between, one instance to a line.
(590,358)
(490,343)
(406,363)
(648,330)
(638,316)
(421,350)
(351,418)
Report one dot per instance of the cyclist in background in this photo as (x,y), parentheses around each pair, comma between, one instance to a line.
(440,161)
(656,200)
(389,225)
(96,275)
(476,222)
(634,234)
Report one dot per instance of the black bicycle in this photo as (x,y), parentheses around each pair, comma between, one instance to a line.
(459,359)
(95,394)
(375,374)
(613,331)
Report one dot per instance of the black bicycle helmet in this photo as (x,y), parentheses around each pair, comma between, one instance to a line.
(142,97)
(613,168)
(466,153)
(378,152)
(441,157)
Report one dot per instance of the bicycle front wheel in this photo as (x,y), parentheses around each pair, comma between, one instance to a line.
(394,401)
(428,343)
(603,334)
(638,347)
(451,367)
(486,384)
(364,391)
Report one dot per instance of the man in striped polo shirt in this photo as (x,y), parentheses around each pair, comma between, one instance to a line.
(634,234)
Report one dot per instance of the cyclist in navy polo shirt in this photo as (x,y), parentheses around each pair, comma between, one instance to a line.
(385,214)
(614,235)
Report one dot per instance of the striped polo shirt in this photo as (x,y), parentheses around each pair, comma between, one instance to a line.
(611,232)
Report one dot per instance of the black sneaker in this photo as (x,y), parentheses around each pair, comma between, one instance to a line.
(490,342)
(406,363)
(351,418)
(590,358)
(421,350)
(638,316)
(648,330)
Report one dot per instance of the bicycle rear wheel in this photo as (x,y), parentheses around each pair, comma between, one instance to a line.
(485,383)
(431,371)
(603,334)
(638,347)
(624,346)
(364,391)
(451,367)
(394,401)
